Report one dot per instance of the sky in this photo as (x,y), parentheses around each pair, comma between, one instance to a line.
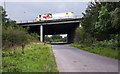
(46,0)
(28,11)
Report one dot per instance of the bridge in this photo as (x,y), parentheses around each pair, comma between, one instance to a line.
(51,27)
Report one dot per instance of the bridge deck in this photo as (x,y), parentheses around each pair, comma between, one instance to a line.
(51,21)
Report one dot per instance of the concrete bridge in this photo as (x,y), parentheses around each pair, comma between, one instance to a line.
(51,27)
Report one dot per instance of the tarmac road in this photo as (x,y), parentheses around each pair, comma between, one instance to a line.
(70,59)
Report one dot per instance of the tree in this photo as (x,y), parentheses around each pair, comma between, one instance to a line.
(109,17)
(56,37)
(116,23)
(99,19)
(104,23)
(90,17)
(115,20)
(5,20)
(63,39)
(48,39)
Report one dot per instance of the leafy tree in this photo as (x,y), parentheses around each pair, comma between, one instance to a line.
(108,18)
(104,24)
(90,17)
(48,39)
(63,39)
(115,20)
(56,37)
(98,19)
(102,19)
(116,23)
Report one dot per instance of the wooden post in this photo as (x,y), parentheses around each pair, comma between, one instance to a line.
(23,46)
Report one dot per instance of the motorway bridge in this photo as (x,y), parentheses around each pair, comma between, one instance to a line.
(51,27)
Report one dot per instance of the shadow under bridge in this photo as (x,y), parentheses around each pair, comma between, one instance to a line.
(51,27)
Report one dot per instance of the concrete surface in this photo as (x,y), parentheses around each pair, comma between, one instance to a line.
(70,59)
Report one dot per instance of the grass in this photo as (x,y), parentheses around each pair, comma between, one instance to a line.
(98,50)
(57,42)
(37,58)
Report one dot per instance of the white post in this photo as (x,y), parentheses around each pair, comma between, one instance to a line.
(41,33)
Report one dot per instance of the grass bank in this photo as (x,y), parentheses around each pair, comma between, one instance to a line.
(98,50)
(37,58)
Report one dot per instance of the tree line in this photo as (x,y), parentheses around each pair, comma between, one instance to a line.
(55,38)
(100,25)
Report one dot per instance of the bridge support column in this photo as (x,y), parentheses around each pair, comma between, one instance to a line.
(80,25)
(41,33)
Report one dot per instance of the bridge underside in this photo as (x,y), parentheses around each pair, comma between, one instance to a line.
(51,29)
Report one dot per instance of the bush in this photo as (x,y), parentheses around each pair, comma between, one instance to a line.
(34,37)
(111,43)
(14,36)
(82,37)
(48,39)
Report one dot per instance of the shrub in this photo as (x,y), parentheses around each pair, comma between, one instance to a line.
(82,37)
(111,43)
(12,37)
(34,37)
(13,34)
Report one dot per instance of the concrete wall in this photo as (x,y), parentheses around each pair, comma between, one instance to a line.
(71,36)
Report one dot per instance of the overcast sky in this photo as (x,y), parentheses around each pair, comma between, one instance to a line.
(46,0)
(27,11)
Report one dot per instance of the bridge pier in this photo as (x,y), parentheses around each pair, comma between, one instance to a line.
(41,33)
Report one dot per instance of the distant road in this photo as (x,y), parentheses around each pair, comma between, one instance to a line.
(70,59)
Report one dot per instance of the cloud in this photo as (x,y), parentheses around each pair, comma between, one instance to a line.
(58,0)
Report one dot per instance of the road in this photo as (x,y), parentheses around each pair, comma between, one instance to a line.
(70,59)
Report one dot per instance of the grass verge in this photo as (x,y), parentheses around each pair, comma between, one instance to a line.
(98,50)
(37,58)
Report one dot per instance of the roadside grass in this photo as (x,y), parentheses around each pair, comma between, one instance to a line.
(98,50)
(59,42)
(56,42)
(37,58)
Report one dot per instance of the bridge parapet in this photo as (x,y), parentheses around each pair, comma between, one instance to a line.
(50,21)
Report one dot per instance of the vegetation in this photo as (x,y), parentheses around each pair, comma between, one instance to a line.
(55,38)
(32,57)
(82,37)
(37,58)
(100,29)
(104,21)
(13,35)
(104,51)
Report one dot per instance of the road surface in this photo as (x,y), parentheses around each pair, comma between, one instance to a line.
(70,59)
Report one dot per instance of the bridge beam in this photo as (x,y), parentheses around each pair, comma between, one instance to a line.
(41,33)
